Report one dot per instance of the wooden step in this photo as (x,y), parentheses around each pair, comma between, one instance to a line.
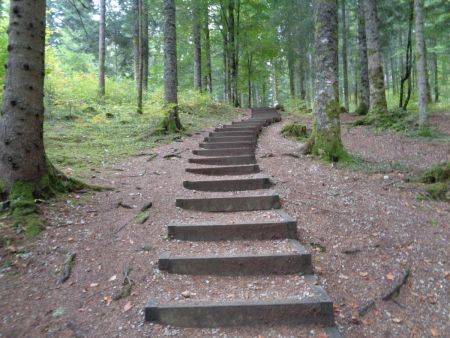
(238,265)
(233,133)
(239,128)
(279,229)
(229,185)
(230,139)
(227,145)
(229,204)
(224,152)
(314,309)
(225,160)
(231,170)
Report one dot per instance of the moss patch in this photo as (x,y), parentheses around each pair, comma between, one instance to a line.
(295,130)
(437,180)
(142,217)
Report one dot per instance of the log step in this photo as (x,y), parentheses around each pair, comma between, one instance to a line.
(285,228)
(227,145)
(229,185)
(220,171)
(233,133)
(228,204)
(255,129)
(298,261)
(316,309)
(225,160)
(251,139)
(223,152)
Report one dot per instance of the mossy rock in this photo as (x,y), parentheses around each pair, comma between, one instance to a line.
(295,130)
(439,191)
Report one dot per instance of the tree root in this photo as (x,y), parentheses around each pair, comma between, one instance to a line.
(68,265)
(397,286)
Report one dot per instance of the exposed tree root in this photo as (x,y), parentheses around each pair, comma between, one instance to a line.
(397,286)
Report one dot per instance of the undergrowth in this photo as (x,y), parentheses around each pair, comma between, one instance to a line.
(296,130)
(437,182)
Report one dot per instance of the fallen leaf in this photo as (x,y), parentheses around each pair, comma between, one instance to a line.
(107,300)
(397,320)
(355,306)
(363,274)
(390,276)
(93,285)
(113,278)
(127,306)
(343,276)
(365,322)
(356,319)
(434,332)
(323,335)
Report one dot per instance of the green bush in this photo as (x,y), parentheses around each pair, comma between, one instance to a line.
(295,130)
(437,180)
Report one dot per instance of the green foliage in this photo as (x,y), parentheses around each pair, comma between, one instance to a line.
(295,130)
(297,107)
(437,173)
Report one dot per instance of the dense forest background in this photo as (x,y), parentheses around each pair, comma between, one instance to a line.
(250,53)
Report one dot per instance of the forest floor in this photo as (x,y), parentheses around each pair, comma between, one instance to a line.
(365,225)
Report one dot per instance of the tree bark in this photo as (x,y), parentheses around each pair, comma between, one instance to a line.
(102,49)
(172,122)
(408,62)
(344,55)
(422,76)
(378,104)
(291,70)
(140,85)
(196,34)
(145,46)
(209,86)
(249,70)
(436,77)
(22,155)
(325,140)
(364,91)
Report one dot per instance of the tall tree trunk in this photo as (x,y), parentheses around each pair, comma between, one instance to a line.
(102,49)
(275,88)
(22,155)
(249,70)
(196,33)
(291,70)
(325,140)
(378,104)
(422,76)
(364,91)
(209,86)
(344,55)
(436,77)
(408,62)
(226,81)
(172,122)
(145,46)
(140,76)
(137,57)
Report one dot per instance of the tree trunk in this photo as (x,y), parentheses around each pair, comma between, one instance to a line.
(378,104)
(102,49)
(209,86)
(408,62)
(140,76)
(344,55)
(291,70)
(436,77)
(137,57)
(172,122)
(325,140)
(196,33)
(22,155)
(422,76)
(145,46)
(249,70)
(364,92)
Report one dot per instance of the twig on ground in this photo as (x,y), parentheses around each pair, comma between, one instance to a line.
(68,265)
(397,286)
(351,251)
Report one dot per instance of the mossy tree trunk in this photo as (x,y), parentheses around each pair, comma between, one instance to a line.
(344,55)
(325,140)
(378,104)
(364,94)
(172,122)
(422,74)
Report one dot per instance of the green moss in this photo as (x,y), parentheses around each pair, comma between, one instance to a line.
(33,226)
(439,191)
(168,126)
(329,147)
(295,130)
(436,174)
(142,217)
(362,109)
(22,199)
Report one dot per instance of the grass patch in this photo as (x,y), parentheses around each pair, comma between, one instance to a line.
(358,164)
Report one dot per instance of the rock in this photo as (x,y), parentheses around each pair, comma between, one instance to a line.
(186,294)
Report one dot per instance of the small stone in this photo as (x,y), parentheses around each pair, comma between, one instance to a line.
(186,294)
(386,177)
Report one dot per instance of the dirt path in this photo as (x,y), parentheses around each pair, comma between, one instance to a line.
(337,210)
